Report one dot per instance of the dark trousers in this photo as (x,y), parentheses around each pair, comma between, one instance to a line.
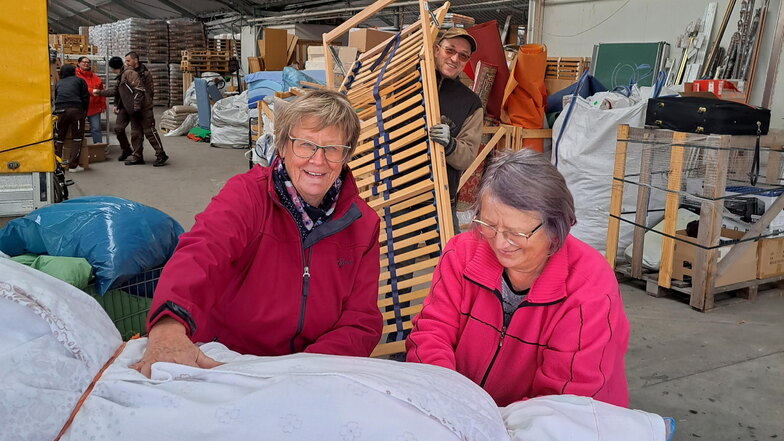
(71,119)
(142,126)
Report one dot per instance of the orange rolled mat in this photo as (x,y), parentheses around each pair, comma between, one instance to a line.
(525,96)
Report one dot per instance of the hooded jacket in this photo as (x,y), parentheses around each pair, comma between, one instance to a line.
(97,103)
(70,91)
(568,336)
(243,277)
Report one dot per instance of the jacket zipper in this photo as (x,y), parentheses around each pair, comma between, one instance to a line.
(305,286)
(497,350)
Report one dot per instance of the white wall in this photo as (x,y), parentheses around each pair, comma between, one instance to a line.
(572,27)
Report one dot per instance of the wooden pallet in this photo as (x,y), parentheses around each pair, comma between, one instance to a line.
(566,68)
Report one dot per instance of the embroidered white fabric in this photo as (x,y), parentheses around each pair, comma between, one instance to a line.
(54,339)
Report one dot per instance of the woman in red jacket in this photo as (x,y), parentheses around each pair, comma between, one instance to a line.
(97,103)
(518,305)
(284,259)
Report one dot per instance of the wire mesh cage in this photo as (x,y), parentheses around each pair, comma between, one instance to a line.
(128,304)
(713,197)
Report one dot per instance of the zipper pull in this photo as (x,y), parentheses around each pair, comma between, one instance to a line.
(306,274)
(503,334)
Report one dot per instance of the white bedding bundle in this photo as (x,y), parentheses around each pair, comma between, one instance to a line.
(54,339)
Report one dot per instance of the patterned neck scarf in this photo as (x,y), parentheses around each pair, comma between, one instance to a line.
(305,215)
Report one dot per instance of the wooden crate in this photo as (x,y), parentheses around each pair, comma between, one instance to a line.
(709,156)
(566,68)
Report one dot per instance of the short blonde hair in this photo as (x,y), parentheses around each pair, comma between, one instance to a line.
(330,108)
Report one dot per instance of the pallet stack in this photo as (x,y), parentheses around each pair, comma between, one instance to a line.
(71,44)
(204,61)
(175,85)
(185,35)
(157,44)
(160,78)
(226,45)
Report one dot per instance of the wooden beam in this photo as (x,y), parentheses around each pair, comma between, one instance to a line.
(480,158)
(704,273)
(616,196)
(671,208)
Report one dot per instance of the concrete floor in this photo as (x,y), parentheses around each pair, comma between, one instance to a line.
(719,374)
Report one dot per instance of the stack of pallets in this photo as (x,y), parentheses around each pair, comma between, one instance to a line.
(185,35)
(205,61)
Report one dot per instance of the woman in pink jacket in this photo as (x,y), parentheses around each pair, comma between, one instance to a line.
(518,305)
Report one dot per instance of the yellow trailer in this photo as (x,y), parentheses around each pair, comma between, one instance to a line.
(27,159)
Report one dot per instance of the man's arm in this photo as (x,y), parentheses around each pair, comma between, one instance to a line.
(467,141)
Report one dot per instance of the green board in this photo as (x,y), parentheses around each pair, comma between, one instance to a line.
(619,64)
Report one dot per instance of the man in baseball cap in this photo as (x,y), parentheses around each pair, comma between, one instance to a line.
(460,128)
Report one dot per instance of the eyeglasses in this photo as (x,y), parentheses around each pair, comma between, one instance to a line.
(514,238)
(306,149)
(450,52)
(86,61)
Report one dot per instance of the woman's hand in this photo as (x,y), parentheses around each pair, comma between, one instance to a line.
(169,342)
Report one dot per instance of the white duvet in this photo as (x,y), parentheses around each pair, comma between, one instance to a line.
(54,339)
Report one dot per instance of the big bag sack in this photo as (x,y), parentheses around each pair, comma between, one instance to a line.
(710,116)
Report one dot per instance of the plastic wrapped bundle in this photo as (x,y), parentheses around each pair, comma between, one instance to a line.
(160,78)
(175,84)
(185,35)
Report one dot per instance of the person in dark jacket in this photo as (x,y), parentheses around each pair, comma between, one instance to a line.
(71,100)
(462,115)
(284,259)
(133,105)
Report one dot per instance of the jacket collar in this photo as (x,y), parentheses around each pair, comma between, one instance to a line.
(483,268)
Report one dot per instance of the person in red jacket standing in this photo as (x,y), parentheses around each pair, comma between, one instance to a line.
(97,103)
(518,305)
(284,259)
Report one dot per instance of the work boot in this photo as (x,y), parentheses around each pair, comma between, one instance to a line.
(123,156)
(160,160)
(134,161)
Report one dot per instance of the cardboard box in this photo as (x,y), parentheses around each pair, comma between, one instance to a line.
(770,258)
(84,156)
(745,267)
(365,39)
(96,152)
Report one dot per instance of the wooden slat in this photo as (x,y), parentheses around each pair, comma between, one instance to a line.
(411,269)
(384,349)
(408,283)
(616,196)
(408,297)
(671,208)
(400,196)
(402,231)
(704,273)
(480,158)
(432,234)
(404,312)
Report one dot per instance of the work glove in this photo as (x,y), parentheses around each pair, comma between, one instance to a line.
(440,134)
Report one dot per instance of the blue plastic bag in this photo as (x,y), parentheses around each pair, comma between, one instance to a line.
(585,88)
(120,238)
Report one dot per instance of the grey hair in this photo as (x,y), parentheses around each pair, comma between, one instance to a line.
(526,181)
(330,108)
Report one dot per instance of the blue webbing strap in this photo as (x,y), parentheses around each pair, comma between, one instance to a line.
(382,142)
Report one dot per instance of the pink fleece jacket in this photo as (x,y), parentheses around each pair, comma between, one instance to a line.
(568,337)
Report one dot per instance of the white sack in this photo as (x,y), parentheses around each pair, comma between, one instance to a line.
(586,156)
(229,122)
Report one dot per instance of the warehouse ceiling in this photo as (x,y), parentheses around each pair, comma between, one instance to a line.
(66,16)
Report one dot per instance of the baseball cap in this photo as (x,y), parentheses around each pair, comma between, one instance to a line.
(459,32)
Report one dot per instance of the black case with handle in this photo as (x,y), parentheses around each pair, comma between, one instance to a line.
(710,116)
